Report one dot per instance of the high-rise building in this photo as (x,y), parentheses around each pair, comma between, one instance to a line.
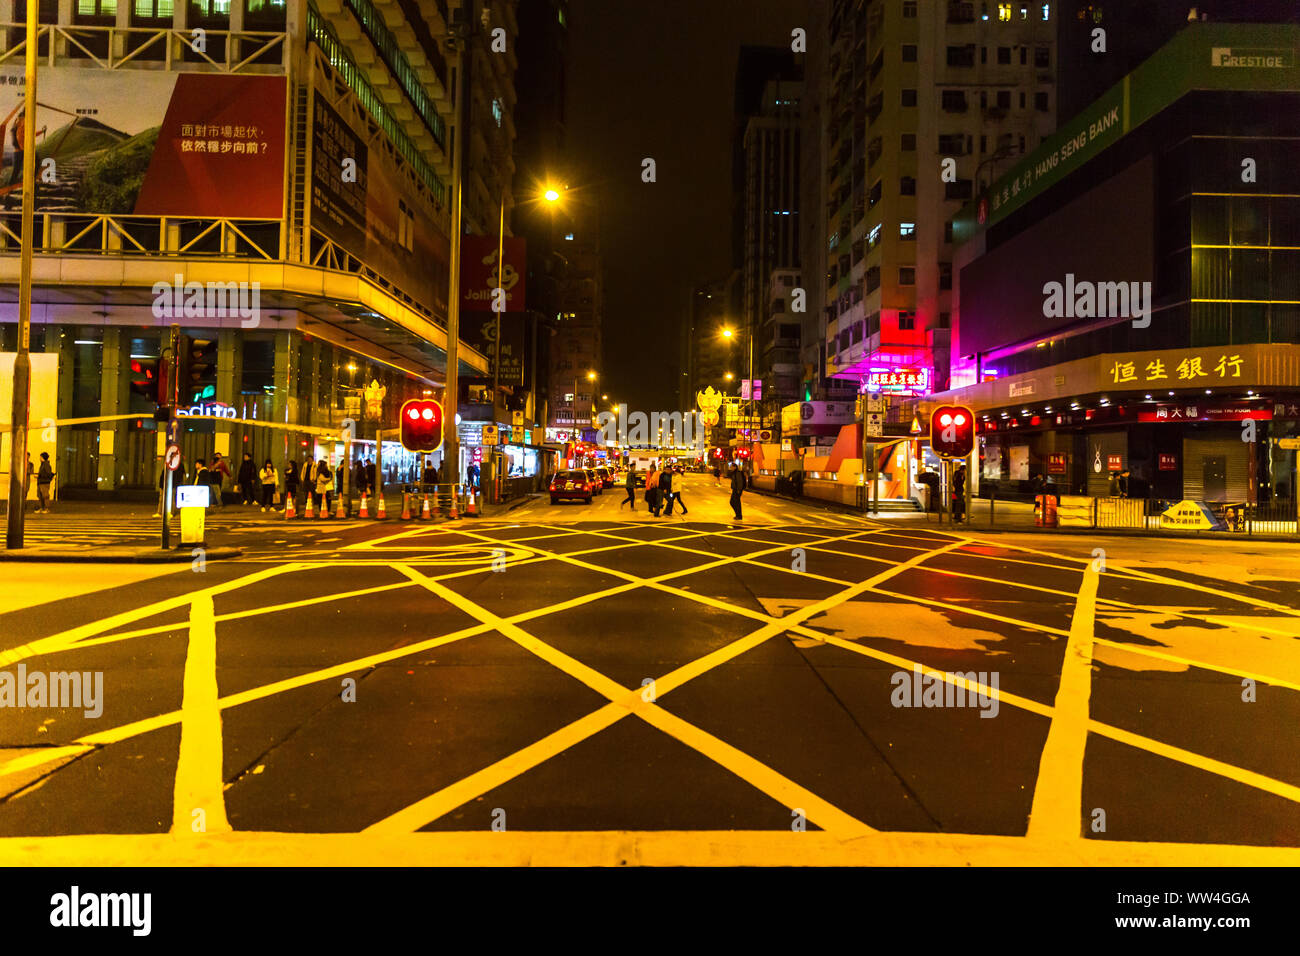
(771,236)
(576,371)
(542,163)
(923,103)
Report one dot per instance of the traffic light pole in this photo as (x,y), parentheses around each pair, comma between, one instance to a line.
(22,377)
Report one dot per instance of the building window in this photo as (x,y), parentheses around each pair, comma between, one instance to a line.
(984,144)
(1004,99)
(907,275)
(909,10)
(945,320)
(907,230)
(909,52)
(1024,11)
(947,231)
(873,237)
(984,54)
(961,55)
(1040,102)
(961,189)
(909,142)
(1004,56)
(945,275)
(874,196)
(909,97)
(1004,12)
(1042,57)
(496,111)
(952,101)
(1022,99)
(984,99)
(1024,55)
(906,320)
(1046,11)
(907,186)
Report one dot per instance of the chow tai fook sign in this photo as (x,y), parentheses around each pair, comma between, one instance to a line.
(1201,412)
(1057,463)
(897,381)
(153,143)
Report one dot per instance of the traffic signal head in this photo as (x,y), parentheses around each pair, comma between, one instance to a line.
(421,425)
(952,431)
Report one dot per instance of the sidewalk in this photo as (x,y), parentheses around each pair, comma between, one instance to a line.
(1018,517)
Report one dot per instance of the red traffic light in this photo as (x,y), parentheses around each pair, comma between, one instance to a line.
(421,420)
(952,431)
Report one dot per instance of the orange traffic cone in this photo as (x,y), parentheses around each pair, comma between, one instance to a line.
(453,513)
(307,512)
(365,511)
(471,510)
(380,513)
(341,511)
(289,511)
(435,501)
(406,506)
(424,515)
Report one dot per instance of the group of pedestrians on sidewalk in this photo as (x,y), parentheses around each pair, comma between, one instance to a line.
(261,487)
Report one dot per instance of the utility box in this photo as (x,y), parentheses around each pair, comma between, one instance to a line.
(192,501)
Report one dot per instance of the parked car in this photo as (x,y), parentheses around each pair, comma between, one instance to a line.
(570,486)
(596,483)
(606,476)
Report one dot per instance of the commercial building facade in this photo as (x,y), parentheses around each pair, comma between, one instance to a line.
(281,195)
(1129,294)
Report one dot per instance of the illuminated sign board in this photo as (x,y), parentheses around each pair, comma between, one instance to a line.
(897,381)
(208,410)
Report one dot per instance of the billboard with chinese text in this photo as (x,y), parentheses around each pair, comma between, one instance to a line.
(148,143)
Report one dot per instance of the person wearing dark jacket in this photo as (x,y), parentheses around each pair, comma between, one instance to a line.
(737,489)
(666,489)
(247,479)
(630,484)
(44,476)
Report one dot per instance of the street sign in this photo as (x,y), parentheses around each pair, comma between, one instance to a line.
(173,428)
(1288,443)
(875,425)
(490,436)
(516,418)
(173,457)
(875,403)
(517,434)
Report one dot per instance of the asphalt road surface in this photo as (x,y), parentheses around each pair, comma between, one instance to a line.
(587,684)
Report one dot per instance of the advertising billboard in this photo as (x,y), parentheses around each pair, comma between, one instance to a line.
(363,202)
(478,272)
(149,143)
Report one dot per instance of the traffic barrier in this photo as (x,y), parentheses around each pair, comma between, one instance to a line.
(307,512)
(365,510)
(425,515)
(380,513)
(406,506)
(289,510)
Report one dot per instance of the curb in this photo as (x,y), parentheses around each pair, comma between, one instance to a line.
(117,555)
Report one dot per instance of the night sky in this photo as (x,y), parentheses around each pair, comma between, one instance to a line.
(656,80)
